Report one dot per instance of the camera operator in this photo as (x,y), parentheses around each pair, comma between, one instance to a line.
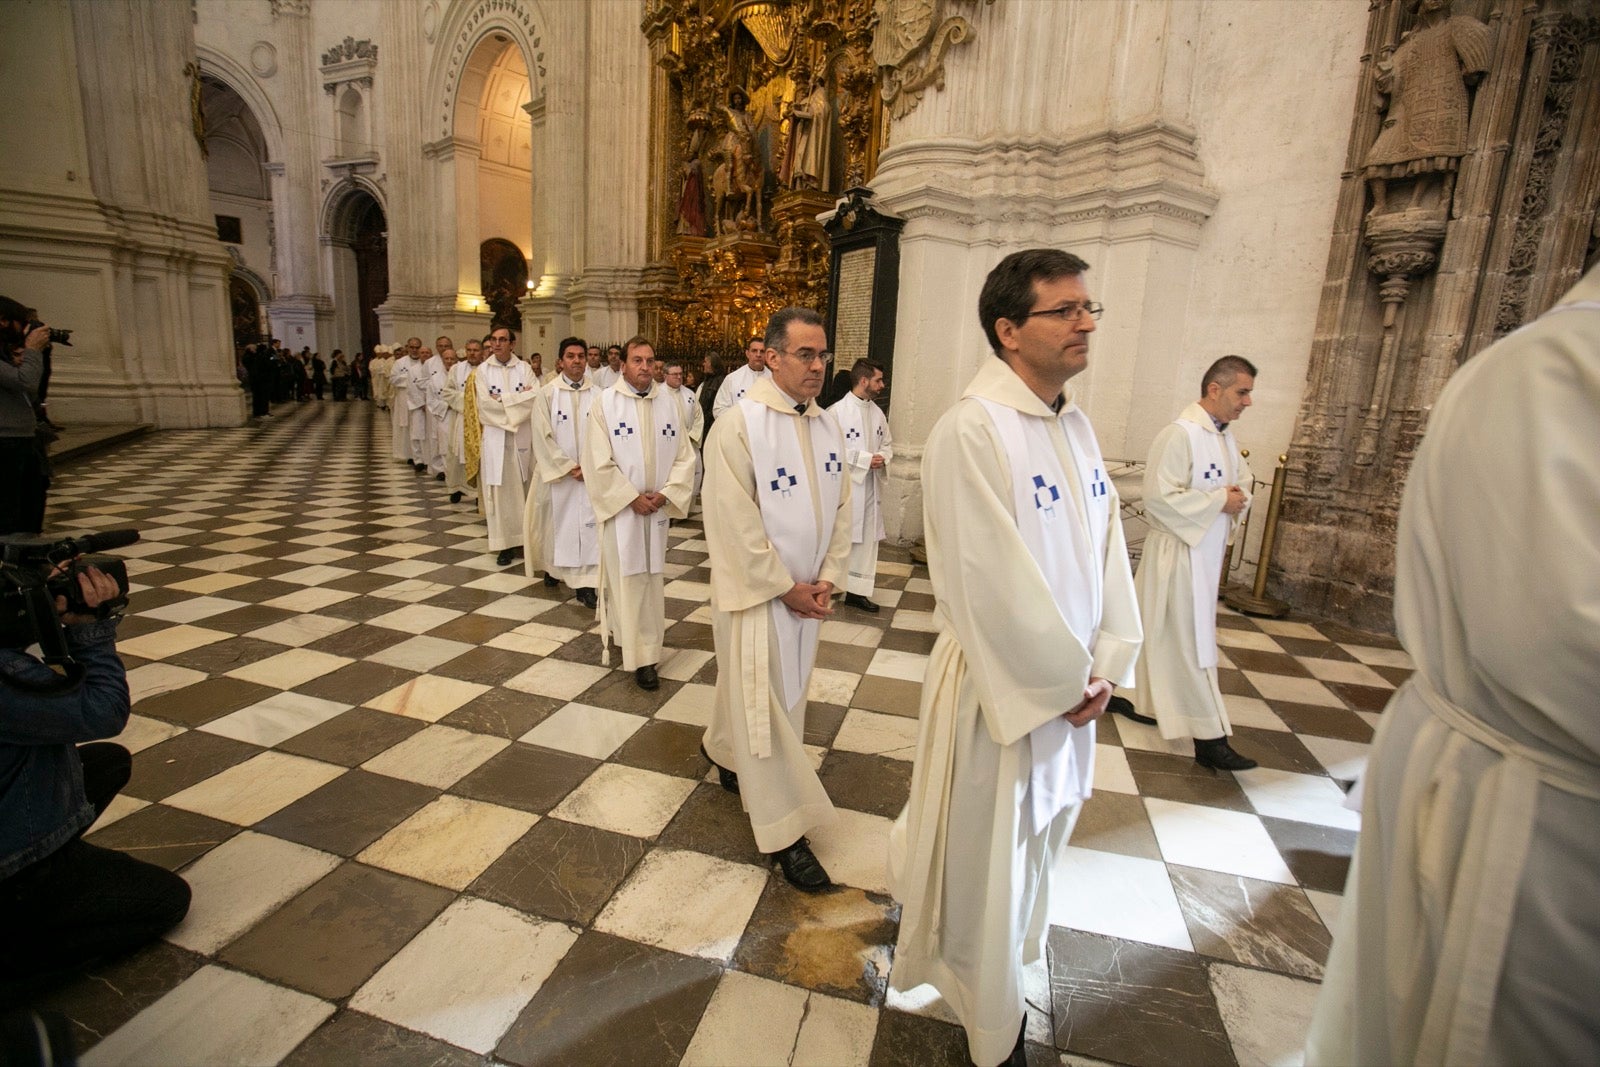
(24,475)
(65,904)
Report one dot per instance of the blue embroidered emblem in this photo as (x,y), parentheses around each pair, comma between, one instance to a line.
(852,434)
(1097,487)
(1045,495)
(784,481)
(833,466)
(669,430)
(622,429)
(1212,474)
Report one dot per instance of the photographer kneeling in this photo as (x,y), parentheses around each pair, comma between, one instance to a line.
(65,904)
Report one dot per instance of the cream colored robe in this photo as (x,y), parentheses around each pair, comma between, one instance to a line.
(399,382)
(382,389)
(733,387)
(866,484)
(634,605)
(455,452)
(781,792)
(1171,685)
(973,880)
(511,412)
(434,372)
(1469,932)
(554,464)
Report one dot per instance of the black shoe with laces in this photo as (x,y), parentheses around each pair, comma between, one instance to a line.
(1218,755)
(587,598)
(727,778)
(647,679)
(800,867)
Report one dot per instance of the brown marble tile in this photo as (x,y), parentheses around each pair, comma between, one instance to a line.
(1250,659)
(1349,635)
(1169,777)
(711,821)
(1361,697)
(336,934)
(356,683)
(353,737)
(1322,721)
(823,722)
(1116,822)
(838,943)
(166,837)
(675,609)
(668,747)
(692,635)
(678,555)
(526,777)
(570,614)
(1397,676)
(260,590)
(269,568)
(1319,856)
(1305,646)
(1234,684)
(489,666)
(1255,923)
(364,582)
(561,871)
(907,641)
(1105,730)
(1133,1003)
(584,649)
(837,657)
(916,602)
(349,813)
(473,629)
(462,599)
(618,692)
(220,657)
(109,995)
(181,761)
(891,696)
(874,784)
(200,703)
(253,617)
(358,641)
(1277,749)
(351,1039)
(612,1003)
(905,1040)
(1236,622)
(503,712)
(359,609)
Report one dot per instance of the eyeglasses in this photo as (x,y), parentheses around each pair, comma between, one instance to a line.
(804,355)
(1069,312)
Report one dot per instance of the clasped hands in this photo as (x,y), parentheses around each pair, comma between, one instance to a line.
(1096,695)
(1235,502)
(810,600)
(647,503)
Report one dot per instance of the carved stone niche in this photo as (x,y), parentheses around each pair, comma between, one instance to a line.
(347,73)
(1468,207)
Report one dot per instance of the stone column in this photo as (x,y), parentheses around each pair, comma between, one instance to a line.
(411,192)
(561,173)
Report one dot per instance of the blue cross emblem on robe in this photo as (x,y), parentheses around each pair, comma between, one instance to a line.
(1097,485)
(784,481)
(622,429)
(1045,495)
(1212,475)
(562,416)
(852,434)
(833,466)
(669,431)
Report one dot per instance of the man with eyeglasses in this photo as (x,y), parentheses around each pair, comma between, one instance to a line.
(867,451)
(455,398)
(738,382)
(1194,501)
(559,519)
(506,393)
(777,524)
(1037,621)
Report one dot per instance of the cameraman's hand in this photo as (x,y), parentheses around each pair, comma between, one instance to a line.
(97,587)
(37,338)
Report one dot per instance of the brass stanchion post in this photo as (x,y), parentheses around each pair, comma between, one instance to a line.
(1257,602)
(1239,539)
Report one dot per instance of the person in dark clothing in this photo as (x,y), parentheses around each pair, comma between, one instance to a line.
(319,375)
(263,374)
(24,470)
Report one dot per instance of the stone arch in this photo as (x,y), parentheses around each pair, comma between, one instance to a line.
(354,226)
(465,26)
(340,203)
(241,81)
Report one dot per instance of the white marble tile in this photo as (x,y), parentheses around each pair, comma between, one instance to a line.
(922,1000)
(685,902)
(1266,1015)
(1232,842)
(142,732)
(906,666)
(152,679)
(832,687)
(170,642)
(1136,735)
(211,583)
(1294,690)
(1346,760)
(886,598)
(1285,628)
(319,554)
(301,629)
(842,632)
(586,730)
(691,705)
(438,756)
(316,574)
(241,881)
(1250,711)
(626,800)
(521,608)
(311,598)
(407,568)
(872,732)
(1338,670)
(682,589)
(1301,797)
(893,569)
(410,551)
(421,653)
(468,975)
(682,664)
(503,581)
(1380,657)
(1119,896)
(919,585)
(854,849)
(429,697)
(512,641)
(449,841)
(1228,637)
(1111,770)
(415,618)
(289,669)
(411,590)
(1328,905)
(248,792)
(556,678)
(225,563)
(215,1016)
(1371,718)
(275,719)
(921,621)
(835,1033)
(559,634)
(192,610)
(121,807)
(750,1022)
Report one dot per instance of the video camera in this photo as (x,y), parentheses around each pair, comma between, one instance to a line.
(30,581)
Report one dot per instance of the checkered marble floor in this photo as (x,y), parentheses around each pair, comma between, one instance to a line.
(422,824)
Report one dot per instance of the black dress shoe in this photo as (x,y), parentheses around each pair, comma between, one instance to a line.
(647,679)
(455,497)
(505,558)
(727,778)
(551,581)
(800,867)
(1120,705)
(439,477)
(420,468)
(587,598)
(1218,755)
(855,600)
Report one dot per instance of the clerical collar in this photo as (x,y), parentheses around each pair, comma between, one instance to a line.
(1218,423)
(641,392)
(798,405)
(575,384)
(1059,403)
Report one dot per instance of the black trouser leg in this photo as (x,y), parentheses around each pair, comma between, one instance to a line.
(107,766)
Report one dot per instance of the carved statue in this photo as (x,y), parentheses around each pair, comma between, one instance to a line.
(739,172)
(1425,85)
(691,201)
(810,149)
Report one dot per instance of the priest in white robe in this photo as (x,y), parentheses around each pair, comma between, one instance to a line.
(562,533)
(1037,621)
(777,523)
(401,372)
(455,399)
(437,366)
(1196,492)
(639,470)
(1468,932)
(739,382)
(379,368)
(868,449)
(693,416)
(507,395)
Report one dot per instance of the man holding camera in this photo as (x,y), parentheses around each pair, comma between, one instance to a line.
(23,469)
(65,904)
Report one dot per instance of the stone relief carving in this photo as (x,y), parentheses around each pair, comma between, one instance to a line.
(909,44)
(264,59)
(350,49)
